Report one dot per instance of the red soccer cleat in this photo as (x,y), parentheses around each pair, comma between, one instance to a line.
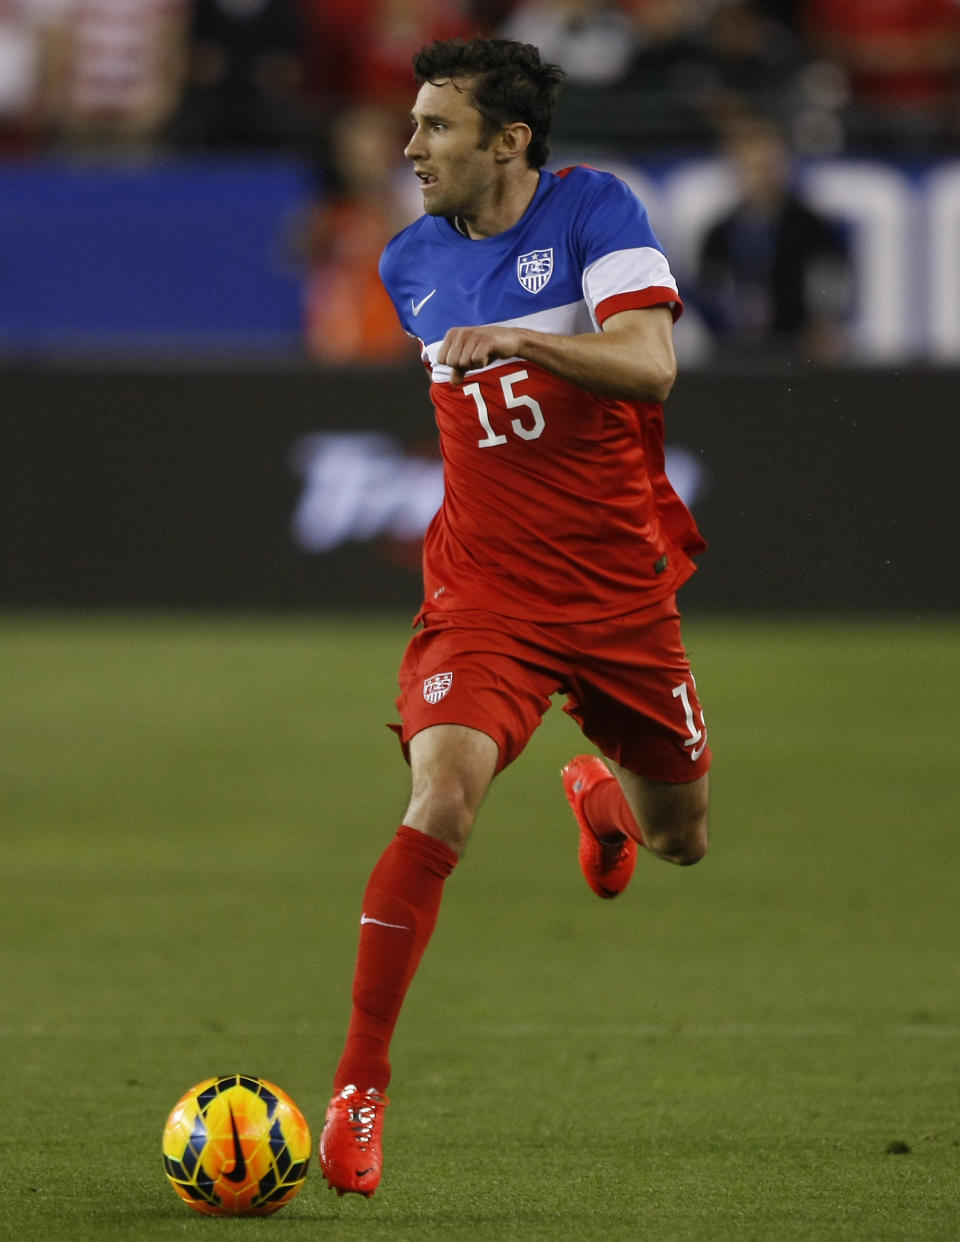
(351,1153)
(607,864)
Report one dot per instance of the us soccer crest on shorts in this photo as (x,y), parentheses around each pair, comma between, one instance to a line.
(435,687)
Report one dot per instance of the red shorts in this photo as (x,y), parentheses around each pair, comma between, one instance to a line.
(627,681)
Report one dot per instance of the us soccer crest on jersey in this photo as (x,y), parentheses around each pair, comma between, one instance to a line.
(535,269)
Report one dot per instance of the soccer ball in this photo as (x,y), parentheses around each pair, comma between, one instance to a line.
(236,1146)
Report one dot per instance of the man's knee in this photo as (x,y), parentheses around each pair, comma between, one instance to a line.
(681,843)
(441,809)
(673,818)
(452,767)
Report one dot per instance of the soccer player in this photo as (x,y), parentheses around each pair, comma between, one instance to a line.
(544,307)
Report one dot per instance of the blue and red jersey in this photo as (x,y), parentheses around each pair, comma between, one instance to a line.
(556,503)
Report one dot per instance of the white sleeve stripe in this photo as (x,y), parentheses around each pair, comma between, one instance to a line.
(626,271)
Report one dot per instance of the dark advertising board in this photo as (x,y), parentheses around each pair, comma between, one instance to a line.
(298,487)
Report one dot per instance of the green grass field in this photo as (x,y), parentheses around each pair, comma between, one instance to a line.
(729,1053)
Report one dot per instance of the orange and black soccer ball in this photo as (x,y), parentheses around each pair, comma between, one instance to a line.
(236,1146)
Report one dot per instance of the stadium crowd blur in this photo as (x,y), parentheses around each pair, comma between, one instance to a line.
(762,83)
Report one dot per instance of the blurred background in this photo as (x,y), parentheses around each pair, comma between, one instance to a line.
(205,399)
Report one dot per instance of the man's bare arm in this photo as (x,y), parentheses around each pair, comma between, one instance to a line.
(632,358)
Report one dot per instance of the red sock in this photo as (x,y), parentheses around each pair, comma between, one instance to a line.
(400,908)
(607,811)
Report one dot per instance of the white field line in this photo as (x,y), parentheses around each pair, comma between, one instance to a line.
(526,1030)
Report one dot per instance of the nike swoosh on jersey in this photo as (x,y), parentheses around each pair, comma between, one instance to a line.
(417,307)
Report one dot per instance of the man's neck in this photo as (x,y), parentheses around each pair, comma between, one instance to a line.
(504,213)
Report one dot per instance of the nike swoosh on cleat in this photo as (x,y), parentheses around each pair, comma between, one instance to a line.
(417,307)
(363,1172)
(238,1173)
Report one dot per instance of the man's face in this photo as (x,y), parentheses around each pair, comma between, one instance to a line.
(456,166)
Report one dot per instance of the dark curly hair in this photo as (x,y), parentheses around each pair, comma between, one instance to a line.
(508,82)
